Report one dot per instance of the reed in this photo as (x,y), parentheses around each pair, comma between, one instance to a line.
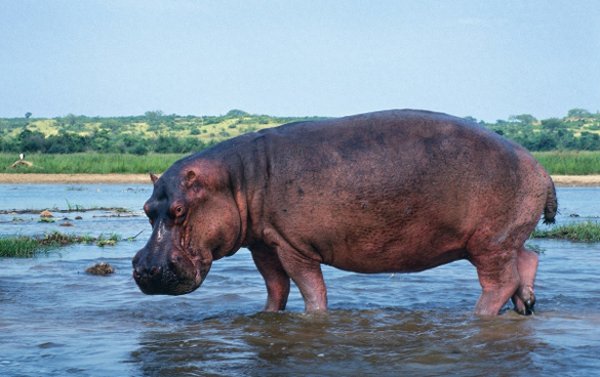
(570,162)
(588,231)
(555,162)
(27,247)
(21,247)
(96,163)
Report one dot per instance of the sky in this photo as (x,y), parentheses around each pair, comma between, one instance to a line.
(485,59)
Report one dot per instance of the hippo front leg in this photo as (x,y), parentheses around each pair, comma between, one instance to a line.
(306,274)
(276,279)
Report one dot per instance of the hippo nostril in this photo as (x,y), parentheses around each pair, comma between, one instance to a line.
(155,271)
(138,272)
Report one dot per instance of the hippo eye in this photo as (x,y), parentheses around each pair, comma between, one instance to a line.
(178,211)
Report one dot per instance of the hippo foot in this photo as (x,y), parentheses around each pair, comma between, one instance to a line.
(524,300)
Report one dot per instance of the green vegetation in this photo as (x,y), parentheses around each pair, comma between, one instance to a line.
(153,141)
(71,208)
(556,162)
(21,247)
(155,132)
(27,247)
(152,132)
(579,130)
(585,231)
(570,162)
(92,162)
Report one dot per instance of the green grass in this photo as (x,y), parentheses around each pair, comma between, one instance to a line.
(570,162)
(22,247)
(556,162)
(99,163)
(585,231)
(27,247)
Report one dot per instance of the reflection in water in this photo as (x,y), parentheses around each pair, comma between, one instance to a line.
(57,320)
(381,342)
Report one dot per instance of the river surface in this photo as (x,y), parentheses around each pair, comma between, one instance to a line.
(56,320)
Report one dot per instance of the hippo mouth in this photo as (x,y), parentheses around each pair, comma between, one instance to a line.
(168,284)
(178,277)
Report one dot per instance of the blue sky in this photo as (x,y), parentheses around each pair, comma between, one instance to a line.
(487,59)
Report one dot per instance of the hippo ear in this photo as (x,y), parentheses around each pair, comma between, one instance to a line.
(154,178)
(192,181)
(190,175)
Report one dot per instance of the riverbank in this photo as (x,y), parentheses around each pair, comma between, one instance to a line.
(576,180)
(559,180)
(74,178)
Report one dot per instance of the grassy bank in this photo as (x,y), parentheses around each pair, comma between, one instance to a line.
(556,162)
(570,162)
(586,231)
(27,247)
(100,163)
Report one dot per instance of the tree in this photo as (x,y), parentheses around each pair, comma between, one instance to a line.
(552,124)
(70,119)
(523,119)
(32,141)
(236,113)
(66,142)
(589,141)
(578,113)
(153,117)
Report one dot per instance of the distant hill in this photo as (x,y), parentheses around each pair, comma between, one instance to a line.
(160,133)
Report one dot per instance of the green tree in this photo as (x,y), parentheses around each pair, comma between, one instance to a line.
(153,118)
(236,113)
(579,113)
(32,141)
(552,124)
(66,142)
(523,119)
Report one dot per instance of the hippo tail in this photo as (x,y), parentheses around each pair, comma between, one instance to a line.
(551,206)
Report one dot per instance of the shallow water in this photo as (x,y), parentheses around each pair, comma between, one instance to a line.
(57,320)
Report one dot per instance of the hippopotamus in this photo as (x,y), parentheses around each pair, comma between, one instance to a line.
(383,192)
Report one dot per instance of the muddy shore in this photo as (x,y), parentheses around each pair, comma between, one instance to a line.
(559,180)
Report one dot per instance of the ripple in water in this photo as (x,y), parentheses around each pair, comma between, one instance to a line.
(57,320)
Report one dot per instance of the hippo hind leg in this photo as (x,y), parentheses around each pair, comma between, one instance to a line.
(524,298)
(498,274)
(498,284)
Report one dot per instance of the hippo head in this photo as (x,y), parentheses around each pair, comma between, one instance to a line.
(195,220)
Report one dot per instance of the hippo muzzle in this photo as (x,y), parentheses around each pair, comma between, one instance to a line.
(176,276)
(161,268)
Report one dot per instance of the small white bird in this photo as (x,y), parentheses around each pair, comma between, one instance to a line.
(21,156)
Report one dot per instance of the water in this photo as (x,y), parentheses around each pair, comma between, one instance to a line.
(55,320)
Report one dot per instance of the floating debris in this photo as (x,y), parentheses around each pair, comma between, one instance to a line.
(101,269)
